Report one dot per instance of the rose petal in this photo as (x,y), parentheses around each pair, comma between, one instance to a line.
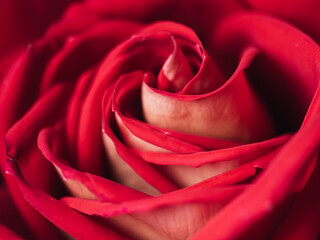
(10,217)
(58,213)
(23,22)
(287,64)
(231,112)
(188,169)
(178,214)
(115,148)
(303,14)
(175,72)
(82,184)
(238,175)
(31,161)
(82,51)
(208,77)
(303,220)
(5,233)
(124,96)
(244,153)
(126,99)
(274,186)
(74,111)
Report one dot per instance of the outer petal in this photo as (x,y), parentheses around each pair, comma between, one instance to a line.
(58,213)
(12,108)
(178,215)
(186,12)
(10,219)
(31,160)
(288,64)
(304,14)
(260,203)
(82,184)
(291,168)
(21,22)
(5,233)
(303,220)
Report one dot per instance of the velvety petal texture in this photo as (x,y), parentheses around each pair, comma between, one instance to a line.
(303,14)
(22,22)
(161,120)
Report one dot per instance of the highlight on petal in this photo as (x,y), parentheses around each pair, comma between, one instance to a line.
(293,165)
(82,184)
(231,112)
(183,166)
(177,215)
(189,169)
(181,137)
(125,163)
(276,185)
(175,72)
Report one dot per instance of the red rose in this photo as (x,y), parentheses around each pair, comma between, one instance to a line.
(143,121)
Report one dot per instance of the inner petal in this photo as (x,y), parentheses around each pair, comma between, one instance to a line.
(175,72)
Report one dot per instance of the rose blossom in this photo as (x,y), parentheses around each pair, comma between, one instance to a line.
(140,121)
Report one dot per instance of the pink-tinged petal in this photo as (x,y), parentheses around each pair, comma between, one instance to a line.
(243,153)
(274,187)
(58,213)
(203,142)
(238,175)
(126,102)
(183,196)
(188,169)
(138,134)
(182,175)
(207,78)
(143,136)
(232,112)
(178,214)
(124,173)
(303,220)
(126,164)
(82,184)
(175,72)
